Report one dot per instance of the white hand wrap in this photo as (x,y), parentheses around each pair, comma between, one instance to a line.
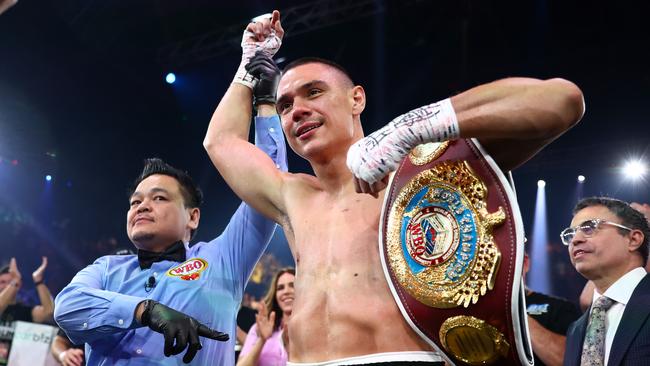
(381,152)
(269,46)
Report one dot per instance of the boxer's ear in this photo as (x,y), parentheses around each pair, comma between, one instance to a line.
(358,99)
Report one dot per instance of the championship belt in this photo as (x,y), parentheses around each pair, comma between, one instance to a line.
(452,250)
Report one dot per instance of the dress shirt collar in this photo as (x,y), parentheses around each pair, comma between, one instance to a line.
(621,290)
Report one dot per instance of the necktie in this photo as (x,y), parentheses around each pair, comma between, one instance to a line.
(593,349)
(174,253)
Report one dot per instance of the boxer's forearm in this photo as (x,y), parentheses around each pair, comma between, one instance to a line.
(248,171)
(232,118)
(515,118)
(519,108)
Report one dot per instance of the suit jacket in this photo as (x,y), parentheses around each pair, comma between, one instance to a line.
(631,344)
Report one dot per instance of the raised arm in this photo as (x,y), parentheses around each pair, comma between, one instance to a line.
(513,119)
(249,172)
(42,313)
(8,294)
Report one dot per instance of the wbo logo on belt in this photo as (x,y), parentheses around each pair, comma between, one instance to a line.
(435,223)
(190,270)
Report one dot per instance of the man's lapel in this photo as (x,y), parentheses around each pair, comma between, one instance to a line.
(634,317)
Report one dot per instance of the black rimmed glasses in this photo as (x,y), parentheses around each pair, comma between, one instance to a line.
(587,228)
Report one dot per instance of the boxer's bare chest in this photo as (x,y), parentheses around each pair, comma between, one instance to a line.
(337,231)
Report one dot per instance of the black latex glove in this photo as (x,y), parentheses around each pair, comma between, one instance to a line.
(268,74)
(179,327)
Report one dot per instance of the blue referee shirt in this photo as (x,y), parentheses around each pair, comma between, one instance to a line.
(97,307)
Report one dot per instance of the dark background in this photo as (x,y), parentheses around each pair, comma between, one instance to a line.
(83,98)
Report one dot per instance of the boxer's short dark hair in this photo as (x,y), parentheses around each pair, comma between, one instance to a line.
(317,60)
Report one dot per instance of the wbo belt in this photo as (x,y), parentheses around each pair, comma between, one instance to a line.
(452,251)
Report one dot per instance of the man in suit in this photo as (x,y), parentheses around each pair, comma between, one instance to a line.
(608,244)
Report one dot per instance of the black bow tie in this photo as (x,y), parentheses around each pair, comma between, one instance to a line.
(174,253)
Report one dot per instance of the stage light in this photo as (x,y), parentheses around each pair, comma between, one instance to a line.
(581,178)
(538,277)
(48,178)
(170,78)
(634,169)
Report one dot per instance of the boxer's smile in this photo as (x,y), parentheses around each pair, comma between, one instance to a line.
(307,129)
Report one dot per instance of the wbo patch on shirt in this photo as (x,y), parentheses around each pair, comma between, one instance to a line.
(537,309)
(190,270)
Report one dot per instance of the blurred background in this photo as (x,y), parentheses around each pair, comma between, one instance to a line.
(87,93)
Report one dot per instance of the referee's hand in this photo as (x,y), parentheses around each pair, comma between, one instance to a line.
(180,330)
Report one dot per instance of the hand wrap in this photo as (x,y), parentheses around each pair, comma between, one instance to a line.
(250,46)
(373,157)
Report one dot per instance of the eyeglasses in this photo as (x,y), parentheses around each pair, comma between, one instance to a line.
(587,228)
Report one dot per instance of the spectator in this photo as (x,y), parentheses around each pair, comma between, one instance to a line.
(10,284)
(265,344)
(608,245)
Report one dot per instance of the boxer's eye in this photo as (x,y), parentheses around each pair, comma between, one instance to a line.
(284,107)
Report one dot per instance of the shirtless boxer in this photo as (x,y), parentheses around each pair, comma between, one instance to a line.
(344,312)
